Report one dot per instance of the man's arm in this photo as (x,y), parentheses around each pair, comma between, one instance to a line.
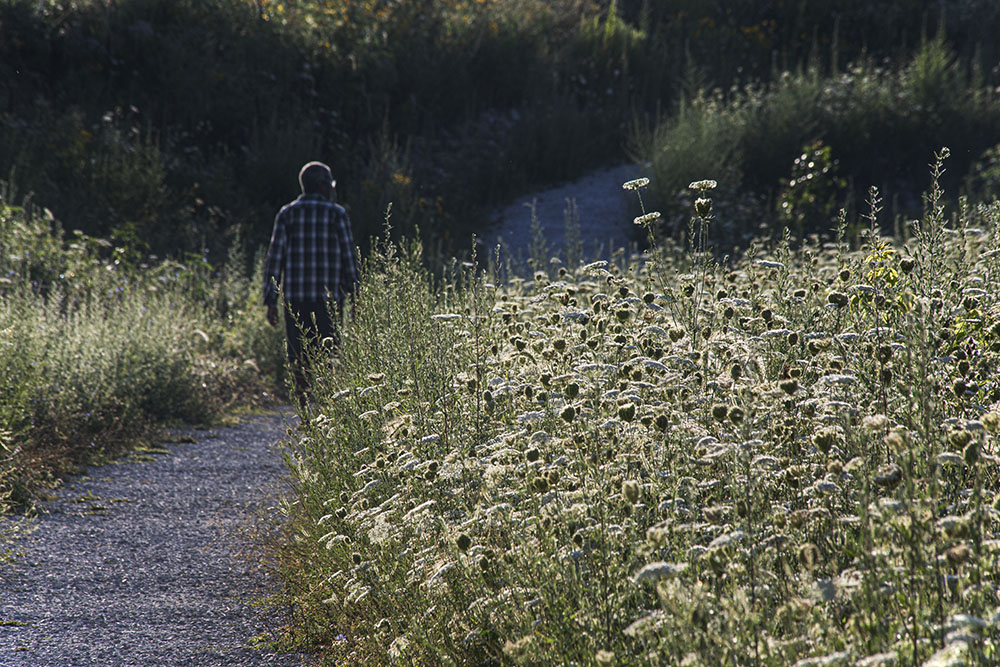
(272,270)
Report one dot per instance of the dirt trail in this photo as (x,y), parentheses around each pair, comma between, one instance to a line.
(135,563)
(605,212)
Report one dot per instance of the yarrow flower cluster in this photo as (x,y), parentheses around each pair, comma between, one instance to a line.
(647,218)
(635,184)
(703,185)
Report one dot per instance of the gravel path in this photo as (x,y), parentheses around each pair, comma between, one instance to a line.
(136,563)
(604,209)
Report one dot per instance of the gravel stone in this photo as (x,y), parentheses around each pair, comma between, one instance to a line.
(138,562)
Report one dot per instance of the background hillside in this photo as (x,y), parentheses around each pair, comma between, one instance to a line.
(171,124)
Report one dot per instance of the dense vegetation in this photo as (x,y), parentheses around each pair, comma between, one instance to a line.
(788,459)
(172,123)
(97,348)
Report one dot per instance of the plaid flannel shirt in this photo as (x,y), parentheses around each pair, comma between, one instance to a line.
(311,253)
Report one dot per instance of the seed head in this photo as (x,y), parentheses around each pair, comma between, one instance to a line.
(959,438)
(604,658)
(825,439)
(889,476)
(463,542)
(895,441)
(701,186)
(958,554)
(875,422)
(809,556)
(971,453)
(630,489)
(991,422)
(703,207)
(838,299)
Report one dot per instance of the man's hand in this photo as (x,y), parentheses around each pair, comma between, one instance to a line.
(272,315)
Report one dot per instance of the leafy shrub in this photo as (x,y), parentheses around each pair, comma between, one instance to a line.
(813,194)
(878,122)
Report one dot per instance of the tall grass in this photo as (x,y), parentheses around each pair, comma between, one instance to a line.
(787,459)
(98,349)
(877,122)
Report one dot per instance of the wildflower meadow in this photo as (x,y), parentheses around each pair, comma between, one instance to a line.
(765,434)
(789,457)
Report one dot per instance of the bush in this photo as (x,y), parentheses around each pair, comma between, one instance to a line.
(875,122)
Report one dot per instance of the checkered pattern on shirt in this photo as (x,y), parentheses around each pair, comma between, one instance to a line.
(311,252)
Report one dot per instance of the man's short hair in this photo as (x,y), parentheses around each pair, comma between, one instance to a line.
(315,177)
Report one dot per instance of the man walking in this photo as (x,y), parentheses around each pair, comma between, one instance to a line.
(311,262)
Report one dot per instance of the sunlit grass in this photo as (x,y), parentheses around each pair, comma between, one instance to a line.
(98,349)
(786,458)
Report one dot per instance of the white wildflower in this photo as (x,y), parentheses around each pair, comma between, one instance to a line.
(952,655)
(967,621)
(838,378)
(832,660)
(530,417)
(440,572)
(827,487)
(644,624)
(950,458)
(727,539)
(878,660)
(647,218)
(635,184)
(770,265)
(658,570)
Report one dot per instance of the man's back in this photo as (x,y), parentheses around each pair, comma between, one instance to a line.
(311,252)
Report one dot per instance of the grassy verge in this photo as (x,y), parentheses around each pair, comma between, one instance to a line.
(98,348)
(789,458)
